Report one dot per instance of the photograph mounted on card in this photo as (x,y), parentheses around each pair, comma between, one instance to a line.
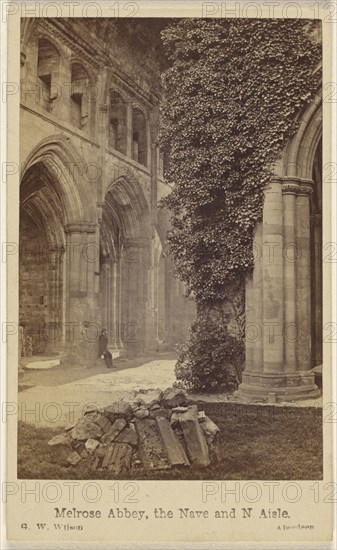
(169,290)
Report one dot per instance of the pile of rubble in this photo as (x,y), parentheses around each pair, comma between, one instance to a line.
(158,430)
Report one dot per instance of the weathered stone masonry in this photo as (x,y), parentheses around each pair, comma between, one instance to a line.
(92,245)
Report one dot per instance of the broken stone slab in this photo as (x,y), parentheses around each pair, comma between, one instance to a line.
(61,439)
(141,412)
(74,458)
(173,398)
(179,409)
(91,445)
(175,419)
(194,437)
(120,459)
(99,419)
(129,436)
(119,409)
(151,447)
(166,413)
(149,398)
(209,428)
(104,423)
(107,457)
(175,451)
(100,451)
(82,451)
(61,445)
(93,416)
(114,430)
(86,429)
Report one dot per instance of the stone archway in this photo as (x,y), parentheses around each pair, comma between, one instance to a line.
(41,268)
(282,308)
(125,264)
(56,227)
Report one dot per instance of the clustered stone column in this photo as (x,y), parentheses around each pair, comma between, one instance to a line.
(278,298)
(55,331)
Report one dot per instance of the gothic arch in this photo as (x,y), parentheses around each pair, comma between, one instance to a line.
(126,200)
(67,171)
(299,153)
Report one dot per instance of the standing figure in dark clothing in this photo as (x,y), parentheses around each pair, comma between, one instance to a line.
(103,349)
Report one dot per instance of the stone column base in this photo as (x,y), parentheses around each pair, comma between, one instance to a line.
(278,387)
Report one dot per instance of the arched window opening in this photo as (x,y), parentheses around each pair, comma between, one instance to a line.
(78,97)
(47,73)
(117,126)
(139,141)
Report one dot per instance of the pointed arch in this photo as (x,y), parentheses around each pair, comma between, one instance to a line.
(299,154)
(67,172)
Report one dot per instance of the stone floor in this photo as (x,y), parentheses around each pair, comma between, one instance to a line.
(48,397)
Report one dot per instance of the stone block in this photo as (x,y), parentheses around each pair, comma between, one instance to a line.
(61,439)
(79,446)
(150,398)
(179,409)
(91,445)
(173,398)
(209,428)
(74,458)
(120,459)
(100,451)
(129,436)
(114,430)
(61,445)
(107,457)
(93,416)
(86,429)
(166,413)
(119,409)
(152,449)
(175,419)
(104,423)
(175,451)
(194,437)
(141,412)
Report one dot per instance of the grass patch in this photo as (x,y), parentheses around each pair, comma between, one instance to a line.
(258,443)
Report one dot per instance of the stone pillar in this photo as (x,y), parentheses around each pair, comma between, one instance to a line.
(290,260)
(61,89)
(278,364)
(129,130)
(81,328)
(317,295)
(303,277)
(137,331)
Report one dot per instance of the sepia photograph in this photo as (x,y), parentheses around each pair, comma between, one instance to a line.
(170,258)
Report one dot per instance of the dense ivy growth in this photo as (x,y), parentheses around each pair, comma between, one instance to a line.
(233,93)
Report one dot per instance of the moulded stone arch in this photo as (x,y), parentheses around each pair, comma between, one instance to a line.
(42,34)
(299,153)
(126,199)
(67,170)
